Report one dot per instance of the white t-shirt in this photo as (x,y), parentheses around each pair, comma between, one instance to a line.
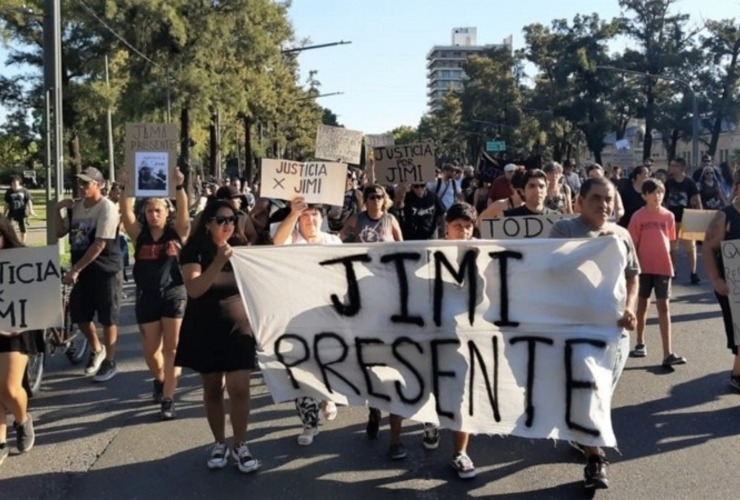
(329,239)
(447,190)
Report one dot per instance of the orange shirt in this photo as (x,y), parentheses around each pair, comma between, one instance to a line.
(652,233)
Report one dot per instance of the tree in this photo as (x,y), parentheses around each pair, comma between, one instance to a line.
(443,127)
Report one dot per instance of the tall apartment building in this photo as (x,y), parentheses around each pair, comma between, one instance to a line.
(444,64)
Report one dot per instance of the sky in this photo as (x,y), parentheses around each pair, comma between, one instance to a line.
(382,73)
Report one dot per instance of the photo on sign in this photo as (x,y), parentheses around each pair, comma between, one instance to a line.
(151,173)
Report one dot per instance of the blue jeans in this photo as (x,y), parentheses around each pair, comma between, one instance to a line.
(124,249)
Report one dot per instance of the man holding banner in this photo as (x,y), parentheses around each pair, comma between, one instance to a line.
(725,230)
(596,200)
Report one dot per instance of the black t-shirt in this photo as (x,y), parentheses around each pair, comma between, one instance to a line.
(678,196)
(16,202)
(156,266)
(349,208)
(418,217)
(523,210)
(632,201)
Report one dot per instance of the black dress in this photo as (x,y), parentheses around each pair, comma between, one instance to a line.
(215,334)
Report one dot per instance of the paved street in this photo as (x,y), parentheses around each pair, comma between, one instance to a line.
(679,437)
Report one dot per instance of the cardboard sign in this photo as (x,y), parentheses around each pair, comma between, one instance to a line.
(151,159)
(373,141)
(527,226)
(695,223)
(441,331)
(731,263)
(30,289)
(407,163)
(338,144)
(316,181)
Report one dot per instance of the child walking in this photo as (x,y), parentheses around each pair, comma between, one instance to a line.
(652,228)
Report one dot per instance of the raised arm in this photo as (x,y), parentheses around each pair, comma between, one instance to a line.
(182,216)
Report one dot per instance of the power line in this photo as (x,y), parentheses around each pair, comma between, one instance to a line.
(114,33)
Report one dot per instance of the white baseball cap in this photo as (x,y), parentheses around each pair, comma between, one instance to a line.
(510,167)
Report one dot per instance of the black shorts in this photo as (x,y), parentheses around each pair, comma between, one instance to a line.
(153,305)
(661,284)
(21,220)
(96,292)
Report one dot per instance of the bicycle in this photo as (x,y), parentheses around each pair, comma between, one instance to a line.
(69,340)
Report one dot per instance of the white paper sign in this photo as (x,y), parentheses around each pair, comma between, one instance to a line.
(373,141)
(30,289)
(338,144)
(152,179)
(695,223)
(441,331)
(731,263)
(316,181)
(526,226)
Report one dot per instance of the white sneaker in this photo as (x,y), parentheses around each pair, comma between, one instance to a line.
(330,410)
(219,456)
(305,438)
(96,359)
(244,459)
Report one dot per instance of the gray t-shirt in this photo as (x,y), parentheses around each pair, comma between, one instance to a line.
(576,228)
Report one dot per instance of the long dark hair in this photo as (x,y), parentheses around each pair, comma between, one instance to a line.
(200,241)
(10,239)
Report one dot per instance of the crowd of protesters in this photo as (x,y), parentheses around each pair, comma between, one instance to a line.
(190,314)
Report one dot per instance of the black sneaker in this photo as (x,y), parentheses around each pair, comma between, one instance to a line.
(397,451)
(695,280)
(373,423)
(431,437)
(595,473)
(25,436)
(673,359)
(107,371)
(735,382)
(157,392)
(167,410)
(4,452)
(640,351)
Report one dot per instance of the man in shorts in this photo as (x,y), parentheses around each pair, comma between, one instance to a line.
(18,205)
(96,268)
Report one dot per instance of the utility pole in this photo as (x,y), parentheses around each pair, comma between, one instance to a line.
(111,159)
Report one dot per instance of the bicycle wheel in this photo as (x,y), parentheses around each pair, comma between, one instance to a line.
(77,345)
(35,372)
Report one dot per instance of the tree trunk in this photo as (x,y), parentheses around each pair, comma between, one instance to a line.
(185,149)
(727,92)
(673,144)
(74,153)
(248,161)
(213,144)
(647,142)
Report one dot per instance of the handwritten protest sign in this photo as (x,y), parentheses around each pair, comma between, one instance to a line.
(316,181)
(151,158)
(373,141)
(731,263)
(694,224)
(30,296)
(406,163)
(338,144)
(440,332)
(528,226)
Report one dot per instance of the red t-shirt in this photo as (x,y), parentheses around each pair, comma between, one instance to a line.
(652,233)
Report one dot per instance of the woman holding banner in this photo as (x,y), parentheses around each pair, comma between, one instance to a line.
(216,340)
(160,292)
(302,226)
(374,225)
(15,348)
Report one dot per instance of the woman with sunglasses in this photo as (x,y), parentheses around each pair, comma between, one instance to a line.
(160,292)
(302,226)
(216,340)
(375,225)
(15,349)
(710,190)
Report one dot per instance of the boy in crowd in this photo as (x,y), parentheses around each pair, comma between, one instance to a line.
(652,229)
(534,193)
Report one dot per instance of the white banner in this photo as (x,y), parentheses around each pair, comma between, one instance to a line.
(316,181)
(338,144)
(476,336)
(30,289)
(373,141)
(526,226)
(731,263)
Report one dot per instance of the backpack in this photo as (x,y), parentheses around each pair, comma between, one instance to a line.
(455,190)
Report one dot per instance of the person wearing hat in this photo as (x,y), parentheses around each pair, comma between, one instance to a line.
(447,187)
(92,224)
(501,187)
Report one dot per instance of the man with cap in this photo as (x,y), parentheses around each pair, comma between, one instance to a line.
(501,187)
(447,187)
(92,224)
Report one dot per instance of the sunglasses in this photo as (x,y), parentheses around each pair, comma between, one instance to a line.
(374,197)
(418,186)
(220,220)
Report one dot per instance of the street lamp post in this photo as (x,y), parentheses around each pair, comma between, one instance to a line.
(694,105)
(53,109)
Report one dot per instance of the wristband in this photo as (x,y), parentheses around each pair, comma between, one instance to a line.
(179,188)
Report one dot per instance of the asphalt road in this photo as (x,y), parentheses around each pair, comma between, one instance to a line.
(678,432)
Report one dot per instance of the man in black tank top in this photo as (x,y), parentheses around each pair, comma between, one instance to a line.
(724,227)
